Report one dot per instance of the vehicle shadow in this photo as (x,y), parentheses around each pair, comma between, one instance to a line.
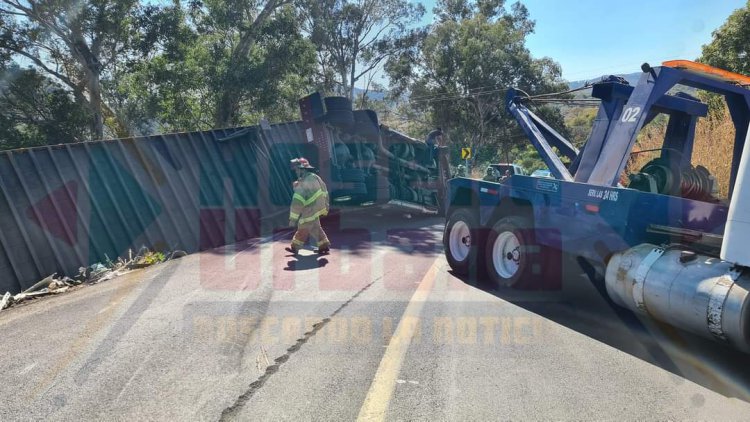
(582,305)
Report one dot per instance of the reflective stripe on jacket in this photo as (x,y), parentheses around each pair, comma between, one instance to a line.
(310,199)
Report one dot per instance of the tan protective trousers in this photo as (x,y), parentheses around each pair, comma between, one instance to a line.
(305,230)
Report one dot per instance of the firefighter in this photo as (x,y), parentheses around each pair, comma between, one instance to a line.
(490,175)
(506,176)
(434,140)
(309,203)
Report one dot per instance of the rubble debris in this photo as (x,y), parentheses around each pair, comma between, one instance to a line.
(23,296)
(93,274)
(146,258)
(56,285)
(177,254)
(42,284)
(96,272)
(5,301)
(71,281)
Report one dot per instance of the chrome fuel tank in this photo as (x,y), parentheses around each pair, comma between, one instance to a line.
(697,293)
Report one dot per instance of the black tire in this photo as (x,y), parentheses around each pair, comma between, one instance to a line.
(342,153)
(408,194)
(464,255)
(373,117)
(340,118)
(352,175)
(338,104)
(352,189)
(405,193)
(364,124)
(397,150)
(406,152)
(506,268)
(412,153)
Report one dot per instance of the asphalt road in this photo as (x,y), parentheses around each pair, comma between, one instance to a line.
(379,329)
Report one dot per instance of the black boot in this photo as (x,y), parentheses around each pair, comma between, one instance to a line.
(292,249)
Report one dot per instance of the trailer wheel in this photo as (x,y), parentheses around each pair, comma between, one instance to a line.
(340,118)
(462,241)
(352,189)
(338,103)
(366,123)
(509,251)
(352,175)
(409,156)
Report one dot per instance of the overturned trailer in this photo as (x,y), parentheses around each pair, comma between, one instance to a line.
(68,206)
(366,163)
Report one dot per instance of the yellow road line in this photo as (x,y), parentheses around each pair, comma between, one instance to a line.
(381,390)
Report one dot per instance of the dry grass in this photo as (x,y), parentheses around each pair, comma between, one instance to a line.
(714,141)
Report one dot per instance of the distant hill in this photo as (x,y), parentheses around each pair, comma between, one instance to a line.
(372,95)
(632,79)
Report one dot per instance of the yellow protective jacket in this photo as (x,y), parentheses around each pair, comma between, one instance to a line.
(310,200)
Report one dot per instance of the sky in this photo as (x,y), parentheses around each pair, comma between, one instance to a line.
(590,38)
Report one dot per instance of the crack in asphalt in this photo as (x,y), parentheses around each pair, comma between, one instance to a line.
(231,412)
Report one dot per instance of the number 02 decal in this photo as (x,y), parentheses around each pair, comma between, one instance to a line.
(630,115)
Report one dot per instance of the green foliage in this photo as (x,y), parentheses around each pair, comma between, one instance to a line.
(37,111)
(461,68)
(213,71)
(143,67)
(151,258)
(729,48)
(118,68)
(354,37)
(78,43)
(579,121)
(528,158)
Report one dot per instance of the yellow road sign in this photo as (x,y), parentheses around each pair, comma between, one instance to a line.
(465,153)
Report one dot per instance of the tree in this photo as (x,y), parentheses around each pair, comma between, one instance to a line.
(247,50)
(729,48)
(78,43)
(460,70)
(579,121)
(354,37)
(35,110)
(218,64)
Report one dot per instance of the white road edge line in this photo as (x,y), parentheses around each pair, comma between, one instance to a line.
(381,390)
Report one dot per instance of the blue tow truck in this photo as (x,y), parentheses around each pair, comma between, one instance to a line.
(665,245)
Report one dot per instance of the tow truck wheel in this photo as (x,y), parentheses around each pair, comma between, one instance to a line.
(508,251)
(462,243)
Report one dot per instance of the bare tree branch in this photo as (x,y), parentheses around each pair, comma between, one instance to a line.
(11,13)
(64,79)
